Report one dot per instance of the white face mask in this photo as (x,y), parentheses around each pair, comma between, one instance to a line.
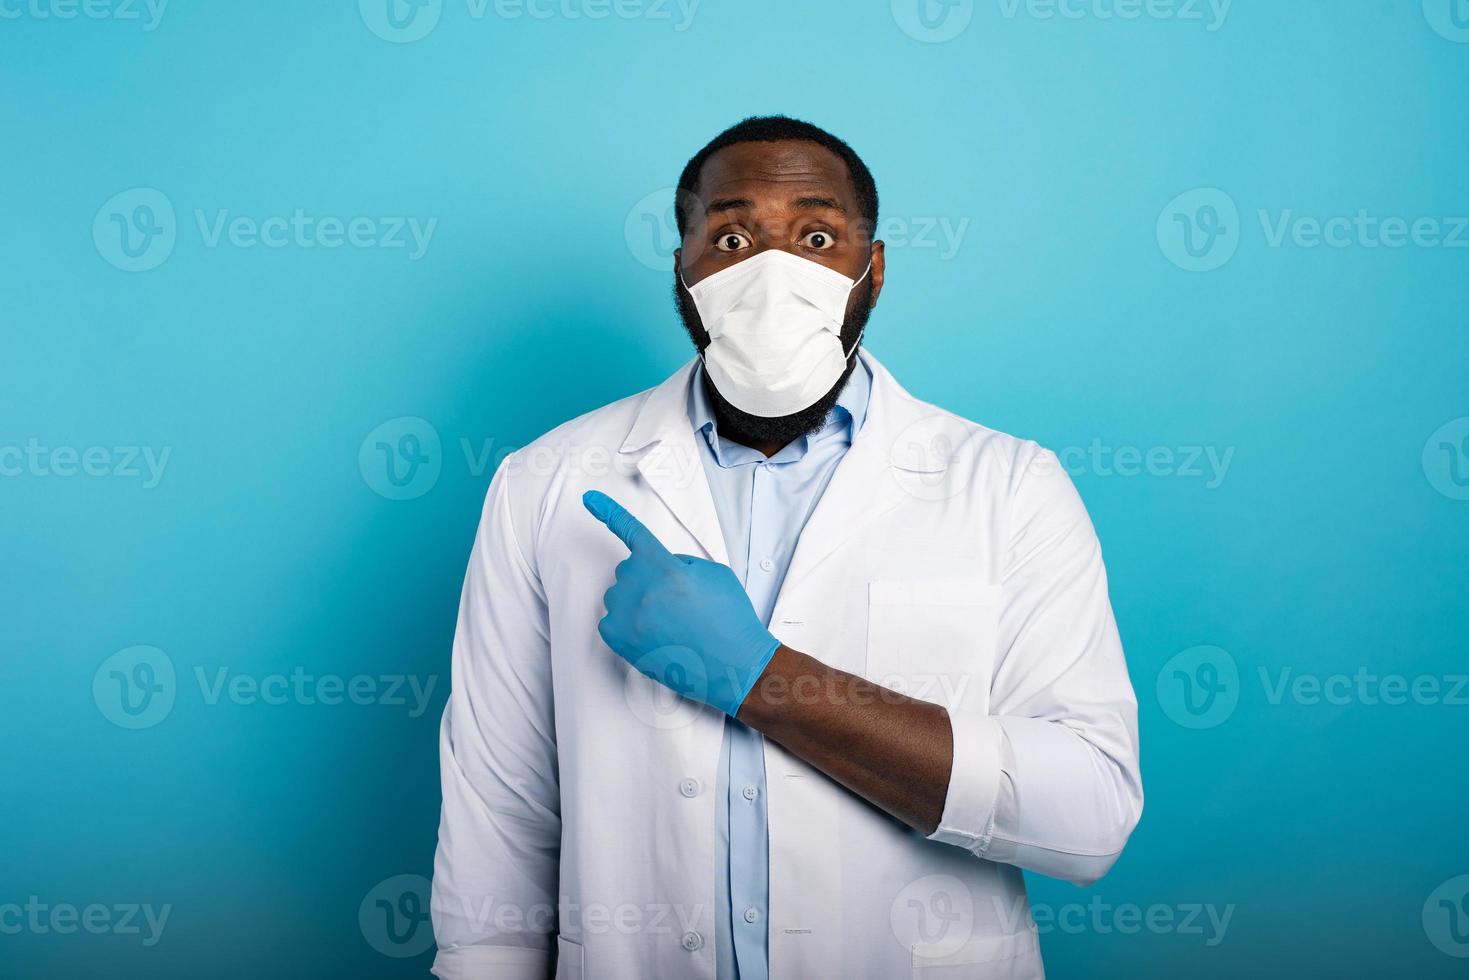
(775,331)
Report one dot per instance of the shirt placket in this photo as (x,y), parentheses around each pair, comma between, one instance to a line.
(748,823)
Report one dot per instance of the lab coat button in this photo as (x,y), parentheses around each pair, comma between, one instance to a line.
(751,914)
(690,788)
(751,792)
(692,941)
(766,564)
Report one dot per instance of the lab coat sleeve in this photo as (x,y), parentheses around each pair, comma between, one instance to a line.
(1048,780)
(496,868)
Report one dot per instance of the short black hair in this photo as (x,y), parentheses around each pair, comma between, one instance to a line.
(775,129)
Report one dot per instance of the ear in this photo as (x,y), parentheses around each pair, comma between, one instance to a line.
(879,266)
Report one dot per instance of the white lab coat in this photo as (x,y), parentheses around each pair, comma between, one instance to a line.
(944,559)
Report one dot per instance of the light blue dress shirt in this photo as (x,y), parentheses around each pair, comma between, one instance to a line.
(762,505)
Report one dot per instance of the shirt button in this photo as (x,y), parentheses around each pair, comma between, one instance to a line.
(689,787)
(692,941)
(751,792)
(766,564)
(751,914)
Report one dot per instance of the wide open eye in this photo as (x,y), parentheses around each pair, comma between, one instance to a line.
(731,241)
(819,240)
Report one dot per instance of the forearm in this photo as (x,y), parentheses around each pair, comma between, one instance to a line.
(890,749)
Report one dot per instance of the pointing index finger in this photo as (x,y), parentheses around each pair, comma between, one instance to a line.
(629,529)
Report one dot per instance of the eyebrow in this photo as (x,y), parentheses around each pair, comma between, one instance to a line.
(728,204)
(744,204)
(825,203)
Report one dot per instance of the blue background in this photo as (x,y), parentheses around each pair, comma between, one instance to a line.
(541,146)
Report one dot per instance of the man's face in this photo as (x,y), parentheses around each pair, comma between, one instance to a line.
(791,195)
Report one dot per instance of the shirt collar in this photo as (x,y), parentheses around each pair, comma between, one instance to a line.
(844,420)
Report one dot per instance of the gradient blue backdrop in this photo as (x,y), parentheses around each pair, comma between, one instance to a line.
(1061,304)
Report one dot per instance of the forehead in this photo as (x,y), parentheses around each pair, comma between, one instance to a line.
(774,172)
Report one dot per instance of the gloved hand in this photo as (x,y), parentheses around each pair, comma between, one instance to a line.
(683,621)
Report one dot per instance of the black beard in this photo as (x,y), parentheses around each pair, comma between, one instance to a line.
(749,429)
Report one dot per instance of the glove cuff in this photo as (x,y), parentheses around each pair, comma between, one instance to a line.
(757,667)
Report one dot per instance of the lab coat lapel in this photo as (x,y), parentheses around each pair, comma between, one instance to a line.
(662,439)
(864,485)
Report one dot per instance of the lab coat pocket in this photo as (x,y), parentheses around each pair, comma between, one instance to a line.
(1013,957)
(934,639)
(569,965)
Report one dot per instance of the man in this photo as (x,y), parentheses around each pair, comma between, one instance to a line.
(774,671)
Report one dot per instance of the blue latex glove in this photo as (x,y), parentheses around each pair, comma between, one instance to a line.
(683,621)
